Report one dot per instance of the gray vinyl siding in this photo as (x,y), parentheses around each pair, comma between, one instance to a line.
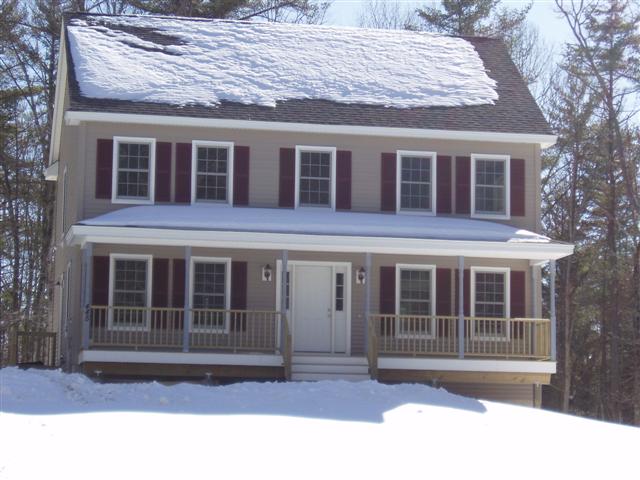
(496,392)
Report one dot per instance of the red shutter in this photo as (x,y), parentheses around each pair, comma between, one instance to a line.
(163,172)
(463,185)
(343,180)
(518,297)
(183,173)
(177,297)
(287,177)
(466,285)
(388,182)
(238,294)
(100,295)
(388,290)
(241,175)
(104,167)
(443,291)
(160,283)
(517,187)
(443,184)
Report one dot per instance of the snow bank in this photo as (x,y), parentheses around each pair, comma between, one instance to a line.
(204,62)
(312,221)
(69,427)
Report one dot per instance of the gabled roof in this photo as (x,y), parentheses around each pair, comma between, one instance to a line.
(443,83)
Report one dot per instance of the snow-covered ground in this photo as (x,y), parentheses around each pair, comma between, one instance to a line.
(54,425)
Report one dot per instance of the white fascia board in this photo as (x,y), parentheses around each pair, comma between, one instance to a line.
(76,117)
(58,105)
(81,234)
(51,172)
(115,356)
(466,365)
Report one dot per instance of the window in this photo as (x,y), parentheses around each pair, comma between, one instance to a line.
(490,186)
(134,170)
(415,299)
(490,293)
(212,167)
(210,293)
(339,292)
(130,291)
(416,173)
(315,178)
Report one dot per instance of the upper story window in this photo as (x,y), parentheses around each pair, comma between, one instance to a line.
(212,171)
(416,174)
(134,172)
(315,176)
(490,191)
(490,293)
(130,290)
(415,298)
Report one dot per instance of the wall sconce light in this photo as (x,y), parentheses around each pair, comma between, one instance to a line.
(361,276)
(267,273)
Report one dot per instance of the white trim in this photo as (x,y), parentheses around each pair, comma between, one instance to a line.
(81,234)
(507,186)
(332,195)
(112,278)
(51,172)
(75,118)
(194,168)
(434,167)
(179,358)
(152,171)
(58,105)
(466,365)
(227,290)
(507,300)
(432,282)
(65,202)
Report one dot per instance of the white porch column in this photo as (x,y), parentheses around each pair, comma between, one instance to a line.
(87,286)
(552,306)
(367,299)
(461,307)
(186,330)
(284,260)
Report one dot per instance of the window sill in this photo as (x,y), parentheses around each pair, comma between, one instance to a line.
(491,216)
(423,213)
(133,201)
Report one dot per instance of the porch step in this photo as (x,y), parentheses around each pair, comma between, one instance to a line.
(314,367)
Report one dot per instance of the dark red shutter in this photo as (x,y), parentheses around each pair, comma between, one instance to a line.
(388,182)
(518,297)
(517,187)
(183,173)
(287,177)
(388,290)
(163,172)
(463,185)
(343,180)
(160,283)
(443,291)
(443,184)
(466,285)
(241,175)
(238,294)
(177,296)
(104,167)
(100,295)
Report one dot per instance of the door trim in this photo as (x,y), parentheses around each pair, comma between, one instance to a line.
(348,283)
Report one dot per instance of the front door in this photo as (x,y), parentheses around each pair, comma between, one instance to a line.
(312,308)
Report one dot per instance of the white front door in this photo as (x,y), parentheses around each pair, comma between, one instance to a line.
(312,308)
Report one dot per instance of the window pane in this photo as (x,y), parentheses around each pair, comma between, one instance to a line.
(133,170)
(339,292)
(490,186)
(315,178)
(211,177)
(415,186)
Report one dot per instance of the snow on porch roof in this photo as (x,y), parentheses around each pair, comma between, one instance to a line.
(182,61)
(312,221)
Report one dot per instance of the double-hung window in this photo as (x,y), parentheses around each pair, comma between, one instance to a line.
(315,177)
(490,292)
(210,293)
(490,186)
(415,299)
(134,170)
(130,291)
(212,172)
(416,174)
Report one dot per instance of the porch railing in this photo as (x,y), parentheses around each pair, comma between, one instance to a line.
(518,338)
(141,327)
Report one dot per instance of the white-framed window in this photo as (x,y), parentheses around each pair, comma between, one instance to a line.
(210,287)
(315,184)
(490,186)
(211,171)
(134,165)
(415,300)
(129,291)
(490,298)
(416,182)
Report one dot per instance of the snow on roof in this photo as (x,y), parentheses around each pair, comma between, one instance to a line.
(312,221)
(192,61)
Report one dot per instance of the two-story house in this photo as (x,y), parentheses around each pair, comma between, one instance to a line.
(253,200)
